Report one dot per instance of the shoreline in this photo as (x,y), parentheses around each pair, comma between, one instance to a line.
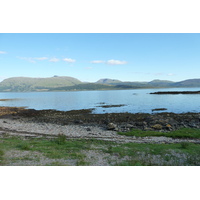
(84,124)
(80,138)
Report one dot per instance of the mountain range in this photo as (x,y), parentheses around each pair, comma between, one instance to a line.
(66,83)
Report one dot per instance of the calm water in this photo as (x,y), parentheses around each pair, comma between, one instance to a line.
(135,101)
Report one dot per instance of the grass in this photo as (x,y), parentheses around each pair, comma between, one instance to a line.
(1,156)
(24,146)
(61,139)
(180,133)
(128,154)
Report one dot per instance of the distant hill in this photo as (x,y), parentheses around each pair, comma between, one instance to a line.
(108,81)
(65,83)
(85,86)
(160,83)
(22,84)
(188,83)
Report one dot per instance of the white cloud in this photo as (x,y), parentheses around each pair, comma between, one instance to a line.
(170,74)
(29,59)
(88,67)
(159,74)
(110,62)
(69,60)
(116,62)
(54,60)
(32,60)
(97,61)
(41,58)
(3,52)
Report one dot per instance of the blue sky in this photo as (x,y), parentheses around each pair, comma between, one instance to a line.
(89,57)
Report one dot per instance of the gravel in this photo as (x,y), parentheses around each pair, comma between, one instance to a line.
(35,129)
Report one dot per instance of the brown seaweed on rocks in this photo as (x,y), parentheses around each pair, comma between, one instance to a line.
(166,121)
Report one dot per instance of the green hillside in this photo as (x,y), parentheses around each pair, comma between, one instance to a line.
(23,84)
(160,83)
(65,83)
(188,83)
(85,86)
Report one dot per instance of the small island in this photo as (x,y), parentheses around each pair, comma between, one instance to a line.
(177,92)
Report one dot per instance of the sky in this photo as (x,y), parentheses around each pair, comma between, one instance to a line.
(92,56)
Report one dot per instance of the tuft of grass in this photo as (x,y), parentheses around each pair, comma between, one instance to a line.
(1,156)
(61,139)
(180,133)
(184,145)
(1,153)
(24,146)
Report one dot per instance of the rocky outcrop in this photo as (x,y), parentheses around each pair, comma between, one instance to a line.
(112,121)
(177,92)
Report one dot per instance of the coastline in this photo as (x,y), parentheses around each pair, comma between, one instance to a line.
(32,138)
(82,123)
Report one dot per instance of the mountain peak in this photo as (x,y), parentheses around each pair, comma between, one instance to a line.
(108,81)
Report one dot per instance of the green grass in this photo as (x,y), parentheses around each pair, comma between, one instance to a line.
(180,133)
(24,146)
(1,156)
(127,154)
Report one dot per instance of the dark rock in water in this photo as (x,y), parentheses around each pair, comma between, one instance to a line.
(111,106)
(158,109)
(177,92)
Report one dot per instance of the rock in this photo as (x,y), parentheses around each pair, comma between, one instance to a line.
(78,122)
(88,129)
(129,126)
(157,126)
(169,127)
(139,124)
(112,126)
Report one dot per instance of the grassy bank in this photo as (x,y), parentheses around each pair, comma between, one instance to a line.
(59,151)
(180,133)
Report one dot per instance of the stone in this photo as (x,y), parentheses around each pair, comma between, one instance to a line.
(157,126)
(112,126)
(78,122)
(129,126)
(168,126)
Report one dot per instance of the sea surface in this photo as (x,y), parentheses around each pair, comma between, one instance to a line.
(134,101)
